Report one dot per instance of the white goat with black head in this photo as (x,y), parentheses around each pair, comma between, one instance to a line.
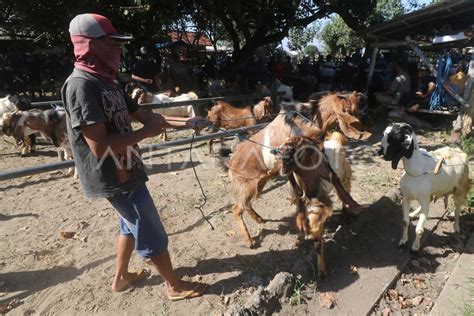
(428,175)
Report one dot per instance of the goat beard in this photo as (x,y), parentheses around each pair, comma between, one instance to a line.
(396,158)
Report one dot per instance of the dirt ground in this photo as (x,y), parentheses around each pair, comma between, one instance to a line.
(50,275)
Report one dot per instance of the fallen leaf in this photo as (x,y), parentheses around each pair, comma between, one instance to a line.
(419,283)
(386,311)
(416,300)
(103,214)
(428,302)
(226,300)
(6,307)
(82,224)
(353,269)
(393,294)
(327,300)
(66,234)
(403,302)
(230,233)
(405,281)
(79,237)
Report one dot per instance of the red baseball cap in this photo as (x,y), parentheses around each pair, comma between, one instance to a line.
(93,26)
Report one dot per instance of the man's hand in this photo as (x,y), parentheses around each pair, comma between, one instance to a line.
(154,125)
(198,123)
(149,81)
(420,94)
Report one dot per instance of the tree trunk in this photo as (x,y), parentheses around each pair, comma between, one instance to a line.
(463,124)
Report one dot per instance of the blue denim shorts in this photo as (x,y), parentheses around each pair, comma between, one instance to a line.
(139,217)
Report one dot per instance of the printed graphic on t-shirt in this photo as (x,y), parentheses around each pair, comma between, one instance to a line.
(128,164)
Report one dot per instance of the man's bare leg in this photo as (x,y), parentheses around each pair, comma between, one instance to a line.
(176,286)
(125,246)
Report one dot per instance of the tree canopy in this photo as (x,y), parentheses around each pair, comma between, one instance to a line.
(341,38)
(247,25)
(299,37)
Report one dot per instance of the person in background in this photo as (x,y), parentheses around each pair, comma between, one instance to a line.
(106,154)
(425,85)
(327,71)
(399,89)
(458,79)
(277,67)
(146,71)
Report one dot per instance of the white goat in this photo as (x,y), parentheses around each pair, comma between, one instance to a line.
(428,175)
(6,106)
(142,96)
(280,88)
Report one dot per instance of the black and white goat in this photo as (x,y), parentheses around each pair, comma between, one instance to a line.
(428,175)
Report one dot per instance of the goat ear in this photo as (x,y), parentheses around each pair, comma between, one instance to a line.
(343,96)
(351,127)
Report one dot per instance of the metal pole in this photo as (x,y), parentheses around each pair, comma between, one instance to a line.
(23,172)
(371,70)
(162,105)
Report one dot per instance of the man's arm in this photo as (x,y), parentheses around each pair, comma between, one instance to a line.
(429,90)
(100,142)
(141,79)
(143,117)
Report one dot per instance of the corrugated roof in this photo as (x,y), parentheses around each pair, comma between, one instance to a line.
(447,17)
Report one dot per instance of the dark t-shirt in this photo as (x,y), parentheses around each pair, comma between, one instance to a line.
(424,82)
(87,101)
(147,69)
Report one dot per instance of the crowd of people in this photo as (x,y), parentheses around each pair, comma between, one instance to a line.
(398,79)
(411,86)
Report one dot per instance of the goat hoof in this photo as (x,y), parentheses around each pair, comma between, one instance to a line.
(252,244)
(414,252)
(322,274)
(298,243)
(260,220)
(403,245)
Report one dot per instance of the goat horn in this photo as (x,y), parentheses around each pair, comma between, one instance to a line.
(438,166)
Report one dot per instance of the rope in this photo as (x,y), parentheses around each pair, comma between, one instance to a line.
(204,197)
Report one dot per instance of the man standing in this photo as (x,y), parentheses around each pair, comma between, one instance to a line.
(106,153)
(146,71)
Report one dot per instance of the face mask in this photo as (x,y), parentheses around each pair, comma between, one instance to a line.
(97,56)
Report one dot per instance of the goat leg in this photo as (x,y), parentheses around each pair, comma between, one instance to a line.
(237,211)
(346,198)
(209,146)
(319,246)
(300,217)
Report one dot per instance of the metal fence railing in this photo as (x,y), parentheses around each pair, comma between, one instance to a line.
(29,171)
(11,174)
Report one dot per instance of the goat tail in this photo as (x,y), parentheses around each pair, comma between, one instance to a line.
(339,137)
(222,161)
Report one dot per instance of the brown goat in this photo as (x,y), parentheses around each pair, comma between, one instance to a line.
(307,169)
(252,165)
(225,115)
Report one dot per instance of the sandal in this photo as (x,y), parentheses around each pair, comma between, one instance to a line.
(135,276)
(198,290)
